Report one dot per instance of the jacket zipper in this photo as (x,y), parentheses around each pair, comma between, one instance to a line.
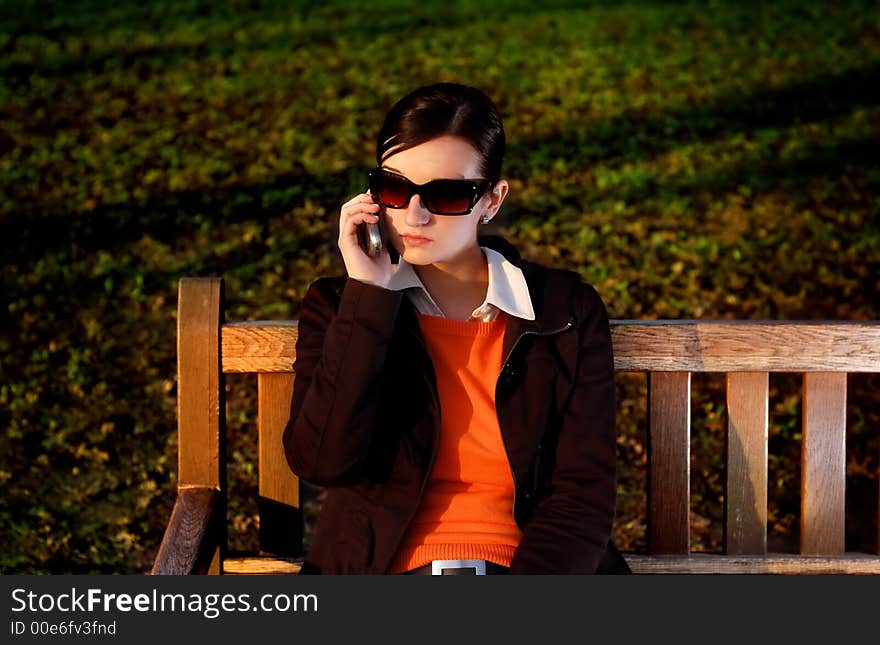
(436,436)
(435,440)
(504,365)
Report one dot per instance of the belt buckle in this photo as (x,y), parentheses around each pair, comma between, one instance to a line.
(437,566)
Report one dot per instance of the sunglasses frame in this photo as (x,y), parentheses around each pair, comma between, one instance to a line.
(478,189)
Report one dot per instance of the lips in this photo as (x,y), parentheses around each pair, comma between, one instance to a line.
(415,239)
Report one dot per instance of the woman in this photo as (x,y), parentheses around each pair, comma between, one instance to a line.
(458,405)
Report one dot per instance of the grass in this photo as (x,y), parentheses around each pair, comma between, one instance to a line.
(691,160)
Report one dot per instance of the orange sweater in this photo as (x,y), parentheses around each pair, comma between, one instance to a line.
(467,508)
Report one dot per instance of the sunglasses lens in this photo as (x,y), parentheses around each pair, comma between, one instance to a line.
(392,190)
(450,196)
(441,196)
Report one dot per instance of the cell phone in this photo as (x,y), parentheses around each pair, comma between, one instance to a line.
(370,237)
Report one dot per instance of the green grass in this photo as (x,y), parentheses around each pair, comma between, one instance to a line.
(692,160)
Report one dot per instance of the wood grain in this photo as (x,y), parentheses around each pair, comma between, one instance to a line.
(746,346)
(696,563)
(642,346)
(199,382)
(261,566)
(192,540)
(823,468)
(280,517)
(260,346)
(669,422)
(745,499)
(783,564)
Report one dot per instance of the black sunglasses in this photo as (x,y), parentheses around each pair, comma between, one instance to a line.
(440,196)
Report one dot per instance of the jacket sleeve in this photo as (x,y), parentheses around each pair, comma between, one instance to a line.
(340,355)
(571,526)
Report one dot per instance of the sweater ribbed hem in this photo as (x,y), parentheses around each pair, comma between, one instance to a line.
(413,558)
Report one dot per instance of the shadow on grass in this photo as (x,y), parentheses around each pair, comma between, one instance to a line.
(29,233)
(352,25)
(635,134)
(815,160)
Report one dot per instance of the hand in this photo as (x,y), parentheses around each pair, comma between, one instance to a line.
(358,264)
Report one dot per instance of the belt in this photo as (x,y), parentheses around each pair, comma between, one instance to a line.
(459,568)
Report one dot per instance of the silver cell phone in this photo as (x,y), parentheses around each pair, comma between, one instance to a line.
(370,238)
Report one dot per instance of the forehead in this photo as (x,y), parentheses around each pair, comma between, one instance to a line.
(441,158)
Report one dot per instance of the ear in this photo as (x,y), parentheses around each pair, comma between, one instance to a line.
(496,197)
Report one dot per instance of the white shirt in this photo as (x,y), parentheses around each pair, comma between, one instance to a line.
(507,290)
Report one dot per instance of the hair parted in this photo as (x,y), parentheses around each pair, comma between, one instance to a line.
(445,109)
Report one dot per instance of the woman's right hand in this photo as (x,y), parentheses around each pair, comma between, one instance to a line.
(359,265)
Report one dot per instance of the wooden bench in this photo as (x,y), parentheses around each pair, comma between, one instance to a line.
(669,352)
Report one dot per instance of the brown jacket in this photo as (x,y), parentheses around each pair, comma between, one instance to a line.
(365,418)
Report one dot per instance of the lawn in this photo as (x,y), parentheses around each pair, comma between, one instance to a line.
(690,159)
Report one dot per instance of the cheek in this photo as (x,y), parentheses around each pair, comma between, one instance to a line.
(392,230)
(392,218)
(457,228)
(471,224)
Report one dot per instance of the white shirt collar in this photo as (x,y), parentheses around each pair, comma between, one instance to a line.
(507,290)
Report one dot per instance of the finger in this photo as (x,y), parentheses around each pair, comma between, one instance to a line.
(358,216)
(349,226)
(360,197)
(360,209)
(360,200)
(354,217)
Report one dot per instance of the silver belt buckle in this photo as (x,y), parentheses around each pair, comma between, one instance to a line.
(437,566)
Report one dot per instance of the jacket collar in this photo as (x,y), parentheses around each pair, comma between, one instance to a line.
(507,289)
(549,290)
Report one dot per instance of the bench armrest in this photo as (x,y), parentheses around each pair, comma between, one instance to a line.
(193,533)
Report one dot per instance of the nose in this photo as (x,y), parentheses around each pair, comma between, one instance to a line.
(416,213)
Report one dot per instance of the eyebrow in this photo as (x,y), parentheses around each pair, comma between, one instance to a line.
(400,172)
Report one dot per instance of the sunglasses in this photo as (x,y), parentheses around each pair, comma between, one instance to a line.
(440,196)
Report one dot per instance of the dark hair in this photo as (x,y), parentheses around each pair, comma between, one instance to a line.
(445,109)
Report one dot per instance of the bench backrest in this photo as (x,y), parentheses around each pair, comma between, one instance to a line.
(669,352)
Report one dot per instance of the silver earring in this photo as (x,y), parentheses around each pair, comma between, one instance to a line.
(484,219)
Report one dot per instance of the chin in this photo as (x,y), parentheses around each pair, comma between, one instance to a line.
(417,257)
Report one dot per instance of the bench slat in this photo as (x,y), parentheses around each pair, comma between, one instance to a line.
(777,563)
(705,563)
(642,346)
(823,469)
(261,565)
(669,469)
(749,346)
(745,499)
(280,518)
(259,346)
(199,383)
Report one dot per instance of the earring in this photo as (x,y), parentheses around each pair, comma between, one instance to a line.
(484,219)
